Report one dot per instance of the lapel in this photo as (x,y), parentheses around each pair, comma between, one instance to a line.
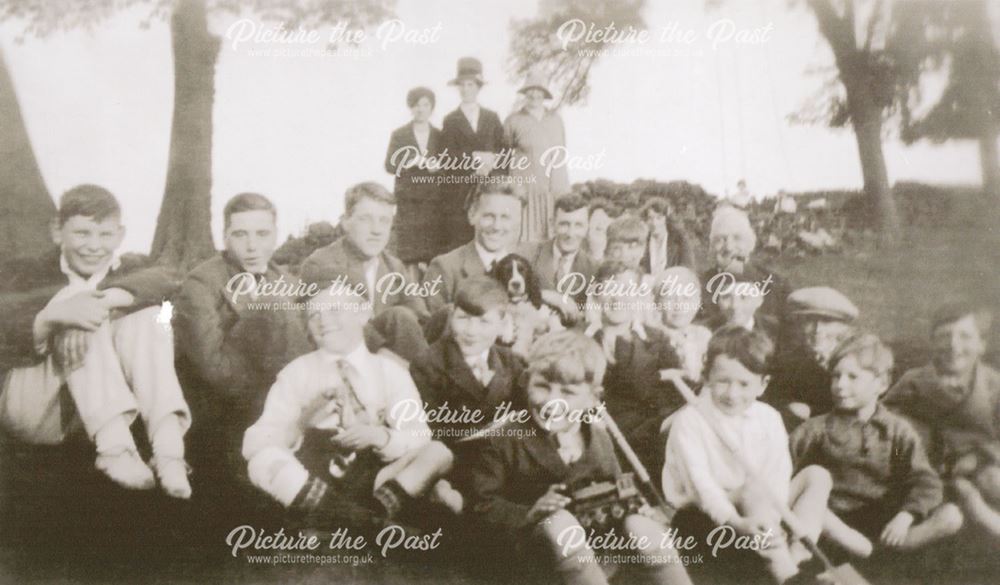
(545,263)
(501,383)
(411,137)
(471,265)
(354,267)
(542,447)
(228,269)
(582,263)
(463,124)
(460,374)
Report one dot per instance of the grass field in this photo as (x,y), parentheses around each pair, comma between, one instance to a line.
(60,522)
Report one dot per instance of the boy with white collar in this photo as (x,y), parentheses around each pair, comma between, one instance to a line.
(84,318)
(335,442)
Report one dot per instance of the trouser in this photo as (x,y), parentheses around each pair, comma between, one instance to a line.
(128,370)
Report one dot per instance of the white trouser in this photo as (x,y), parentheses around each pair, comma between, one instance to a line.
(128,370)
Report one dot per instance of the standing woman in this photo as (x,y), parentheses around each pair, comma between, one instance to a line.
(414,240)
(532,132)
(469,133)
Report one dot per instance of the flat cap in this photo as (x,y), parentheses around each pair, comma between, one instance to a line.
(822,301)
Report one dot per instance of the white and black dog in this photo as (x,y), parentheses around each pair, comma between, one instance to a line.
(529,316)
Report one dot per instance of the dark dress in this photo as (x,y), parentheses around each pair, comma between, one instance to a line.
(417,195)
(460,139)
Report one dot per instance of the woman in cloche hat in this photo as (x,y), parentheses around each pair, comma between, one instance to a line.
(532,131)
(469,132)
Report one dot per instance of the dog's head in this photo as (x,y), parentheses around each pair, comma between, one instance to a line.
(518,278)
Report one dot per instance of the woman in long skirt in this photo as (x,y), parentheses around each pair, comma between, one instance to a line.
(538,138)
(417,197)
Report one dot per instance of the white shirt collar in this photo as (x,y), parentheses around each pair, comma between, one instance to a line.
(471,113)
(94,279)
(486,256)
(558,254)
(357,357)
(480,358)
(637,327)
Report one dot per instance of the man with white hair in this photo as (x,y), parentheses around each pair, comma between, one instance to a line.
(731,243)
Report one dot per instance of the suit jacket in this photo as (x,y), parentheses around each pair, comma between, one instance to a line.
(228,353)
(454,267)
(28,284)
(459,137)
(341,258)
(541,255)
(516,468)
(442,376)
(680,251)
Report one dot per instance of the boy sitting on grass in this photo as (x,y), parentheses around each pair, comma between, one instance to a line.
(956,400)
(466,375)
(701,471)
(521,478)
(884,489)
(84,318)
(334,444)
(635,352)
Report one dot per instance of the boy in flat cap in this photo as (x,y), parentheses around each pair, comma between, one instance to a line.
(822,317)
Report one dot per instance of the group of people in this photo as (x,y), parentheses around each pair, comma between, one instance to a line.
(437,171)
(487,386)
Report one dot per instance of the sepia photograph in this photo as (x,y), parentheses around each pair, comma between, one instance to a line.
(456,292)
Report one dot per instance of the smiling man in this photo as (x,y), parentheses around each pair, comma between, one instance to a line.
(81,317)
(562,255)
(495,216)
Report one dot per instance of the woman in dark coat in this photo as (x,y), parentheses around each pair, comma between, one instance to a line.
(417,192)
(470,132)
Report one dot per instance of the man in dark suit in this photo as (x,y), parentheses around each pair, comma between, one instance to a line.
(473,137)
(668,243)
(360,258)
(562,258)
(229,352)
(495,215)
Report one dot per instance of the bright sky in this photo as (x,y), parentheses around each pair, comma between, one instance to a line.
(301,128)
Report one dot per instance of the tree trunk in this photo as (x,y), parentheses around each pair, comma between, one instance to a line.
(183,230)
(866,118)
(989,161)
(25,205)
